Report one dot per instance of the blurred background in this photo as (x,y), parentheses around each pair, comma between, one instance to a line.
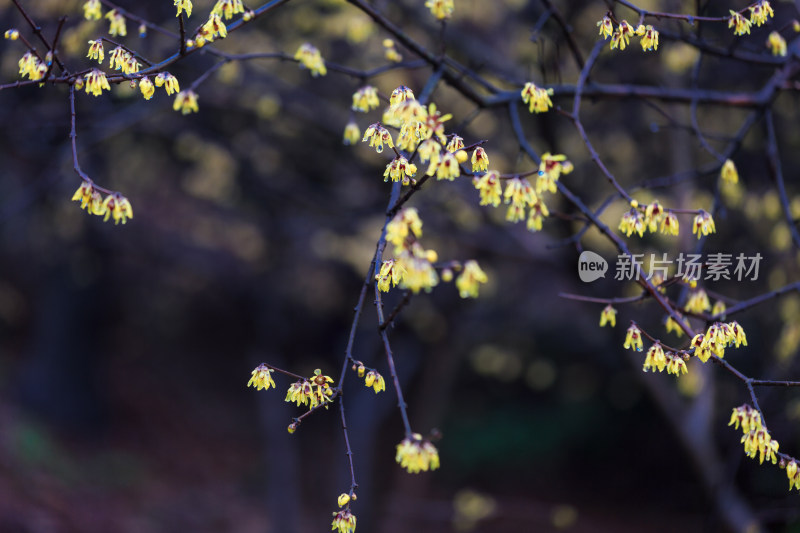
(125,350)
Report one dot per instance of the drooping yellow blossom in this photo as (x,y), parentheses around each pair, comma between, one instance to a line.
(551,167)
(378,136)
(343,499)
(169,82)
(312,392)
(417,455)
(390,275)
(351,133)
(90,199)
(633,339)
(31,67)
(419,274)
(489,187)
(701,349)
(227,8)
(760,13)
(653,215)
(401,94)
(118,207)
(185,102)
(375,380)
(468,282)
(262,378)
(434,123)
(117,58)
(777,44)
(390,52)
(214,27)
(344,521)
(448,168)
(147,88)
(698,302)
(675,364)
(759,441)
(747,417)
(12,34)
(649,37)
(117,21)
(655,358)
(622,37)
(365,99)
(404,224)
(632,222)
(791,473)
(183,5)
(669,224)
(96,81)
(674,327)
(441,9)
(537,98)
(96,50)
(480,161)
(738,336)
(430,152)
(310,58)
(719,308)
(729,173)
(703,224)
(537,213)
(739,24)
(456,143)
(92,10)
(606,27)
(608,316)
(399,169)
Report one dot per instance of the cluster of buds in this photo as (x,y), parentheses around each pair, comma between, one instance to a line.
(719,336)
(621,36)
(416,454)
(372,377)
(113,206)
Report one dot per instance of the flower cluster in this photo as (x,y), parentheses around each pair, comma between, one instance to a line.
(417,455)
(739,24)
(756,438)
(608,316)
(375,380)
(261,378)
(489,187)
(117,21)
(312,392)
(227,8)
(760,13)
(719,336)
(96,81)
(92,10)
(169,82)
(537,98)
(652,218)
(792,474)
(468,282)
(31,67)
(310,58)
(114,206)
(344,521)
(365,99)
(621,37)
(399,169)
(121,59)
(183,6)
(657,359)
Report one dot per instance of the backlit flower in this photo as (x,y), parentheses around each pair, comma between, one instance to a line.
(214,27)
(417,455)
(675,364)
(169,82)
(261,378)
(632,222)
(390,274)
(310,58)
(227,8)
(117,207)
(649,37)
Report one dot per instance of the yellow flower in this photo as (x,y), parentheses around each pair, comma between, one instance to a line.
(456,143)
(13,34)
(669,224)
(118,207)
(448,168)
(375,380)
(729,173)
(117,23)
(227,8)
(551,168)
(633,339)
(468,282)
(183,5)
(608,316)
(214,27)
(429,152)
(419,273)
(538,99)
(538,211)
(649,37)
(169,82)
(760,12)
(489,187)
(738,336)
(146,86)
(673,326)
(90,199)
(262,378)
(378,136)
(401,94)
(351,133)
(655,358)
(675,364)
(791,473)
(344,521)
(310,58)
(390,52)
(698,302)
(480,161)
(703,224)
(777,44)
(400,170)
(343,499)
(311,392)
(739,24)
(404,223)
(96,81)
(719,308)
(390,275)
(417,455)
(653,214)
(96,50)
(365,99)
(606,27)
(759,441)
(632,222)
(92,10)
(31,67)
(622,37)
(185,102)
(434,123)
(441,9)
